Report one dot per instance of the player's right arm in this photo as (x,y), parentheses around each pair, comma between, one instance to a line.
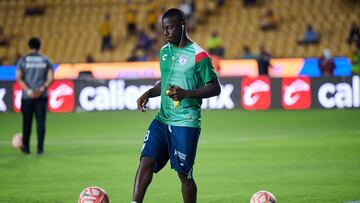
(144,98)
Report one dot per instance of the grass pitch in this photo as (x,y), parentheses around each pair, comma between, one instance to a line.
(300,156)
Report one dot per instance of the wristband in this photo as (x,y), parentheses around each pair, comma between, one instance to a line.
(29,91)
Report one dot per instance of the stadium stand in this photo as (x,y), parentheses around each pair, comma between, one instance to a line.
(69,29)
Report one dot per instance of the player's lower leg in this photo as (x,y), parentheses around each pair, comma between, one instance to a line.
(188,188)
(40,115)
(27,117)
(143,178)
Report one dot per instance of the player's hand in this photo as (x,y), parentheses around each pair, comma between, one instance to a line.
(32,94)
(142,101)
(176,93)
(39,91)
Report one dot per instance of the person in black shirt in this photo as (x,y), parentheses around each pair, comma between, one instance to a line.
(263,61)
(34,73)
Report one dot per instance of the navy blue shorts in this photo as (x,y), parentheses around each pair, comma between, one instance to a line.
(163,142)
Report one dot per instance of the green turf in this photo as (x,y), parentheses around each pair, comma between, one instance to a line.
(300,156)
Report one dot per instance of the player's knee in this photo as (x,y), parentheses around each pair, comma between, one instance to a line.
(185,178)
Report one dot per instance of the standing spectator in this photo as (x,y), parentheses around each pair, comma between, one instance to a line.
(105,32)
(310,36)
(214,45)
(354,35)
(269,21)
(326,63)
(247,53)
(263,62)
(34,73)
(130,13)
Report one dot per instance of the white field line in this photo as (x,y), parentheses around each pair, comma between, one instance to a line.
(202,140)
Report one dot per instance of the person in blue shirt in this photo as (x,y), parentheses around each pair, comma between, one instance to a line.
(247,54)
(310,36)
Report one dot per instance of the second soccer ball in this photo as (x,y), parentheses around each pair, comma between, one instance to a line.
(263,197)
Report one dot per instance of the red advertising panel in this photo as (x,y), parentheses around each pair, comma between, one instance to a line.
(256,93)
(17,94)
(296,93)
(61,96)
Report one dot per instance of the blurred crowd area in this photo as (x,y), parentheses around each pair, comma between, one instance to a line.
(78,31)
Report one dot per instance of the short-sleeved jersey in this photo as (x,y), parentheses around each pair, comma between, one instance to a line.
(190,68)
(34,67)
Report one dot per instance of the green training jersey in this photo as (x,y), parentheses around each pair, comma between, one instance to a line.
(190,68)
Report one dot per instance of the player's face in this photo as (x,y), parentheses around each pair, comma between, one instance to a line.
(172,30)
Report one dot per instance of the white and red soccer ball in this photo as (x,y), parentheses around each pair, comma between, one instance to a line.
(17,142)
(263,197)
(93,194)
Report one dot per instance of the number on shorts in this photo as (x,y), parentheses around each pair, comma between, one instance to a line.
(147,136)
(145,139)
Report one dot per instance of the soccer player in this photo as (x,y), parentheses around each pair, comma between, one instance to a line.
(187,76)
(34,73)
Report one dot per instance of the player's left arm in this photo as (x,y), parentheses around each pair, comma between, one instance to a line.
(210,89)
(48,81)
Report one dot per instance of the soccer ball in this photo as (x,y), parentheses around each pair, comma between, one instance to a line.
(17,142)
(263,197)
(93,194)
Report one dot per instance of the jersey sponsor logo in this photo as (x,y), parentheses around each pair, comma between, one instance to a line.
(17,97)
(61,96)
(255,93)
(340,95)
(183,59)
(2,102)
(296,93)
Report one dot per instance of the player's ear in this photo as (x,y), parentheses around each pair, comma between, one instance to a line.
(183,23)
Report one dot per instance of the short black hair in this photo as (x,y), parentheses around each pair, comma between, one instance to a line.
(34,43)
(175,12)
